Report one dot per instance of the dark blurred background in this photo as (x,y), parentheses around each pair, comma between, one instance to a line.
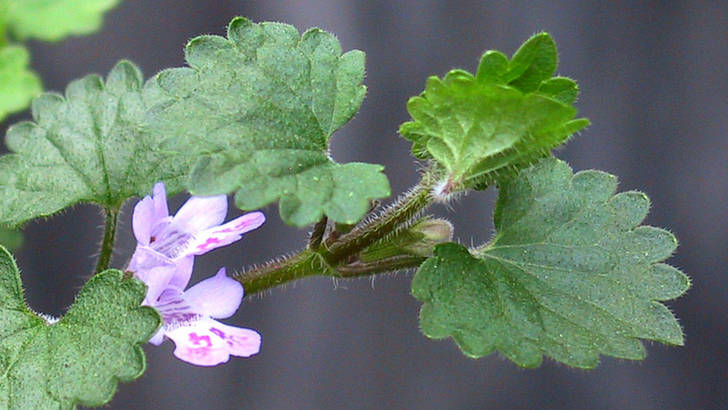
(654,83)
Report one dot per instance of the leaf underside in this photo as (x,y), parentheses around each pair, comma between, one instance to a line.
(259,108)
(79,359)
(18,85)
(482,128)
(91,145)
(53,19)
(570,274)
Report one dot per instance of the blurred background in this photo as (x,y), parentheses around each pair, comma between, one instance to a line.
(654,84)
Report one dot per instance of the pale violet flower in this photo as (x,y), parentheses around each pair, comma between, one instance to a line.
(188,321)
(166,245)
(163,260)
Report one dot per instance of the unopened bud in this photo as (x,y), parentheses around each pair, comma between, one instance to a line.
(428,232)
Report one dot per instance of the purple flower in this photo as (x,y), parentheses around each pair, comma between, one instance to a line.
(188,321)
(163,259)
(166,245)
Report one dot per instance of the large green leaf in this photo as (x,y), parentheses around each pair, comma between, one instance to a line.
(570,274)
(80,358)
(53,19)
(18,85)
(91,146)
(259,107)
(482,128)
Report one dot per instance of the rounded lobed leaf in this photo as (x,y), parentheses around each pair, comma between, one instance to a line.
(80,358)
(91,145)
(258,108)
(569,275)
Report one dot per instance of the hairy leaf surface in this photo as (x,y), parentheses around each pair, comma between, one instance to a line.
(259,108)
(79,359)
(481,128)
(18,85)
(53,19)
(570,274)
(90,146)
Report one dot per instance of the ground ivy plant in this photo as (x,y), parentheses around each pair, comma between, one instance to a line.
(570,273)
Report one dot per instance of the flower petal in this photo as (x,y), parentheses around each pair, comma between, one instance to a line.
(200,213)
(197,344)
(175,310)
(142,220)
(158,337)
(240,341)
(154,269)
(218,296)
(160,201)
(184,272)
(223,235)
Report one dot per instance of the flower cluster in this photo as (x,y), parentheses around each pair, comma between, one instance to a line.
(163,259)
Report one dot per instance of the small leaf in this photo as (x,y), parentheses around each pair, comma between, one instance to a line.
(54,19)
(483,128)
(18,85)
(569,274)
(91,146)
(79,359)
(534,62)
(259,108)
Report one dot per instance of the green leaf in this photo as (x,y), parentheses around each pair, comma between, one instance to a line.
(570,274)
(10,238)
(80,358)
(53,19)
(18,85)
(259,108)
(91,146)
(484,128)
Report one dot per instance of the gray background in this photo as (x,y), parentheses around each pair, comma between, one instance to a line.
(654,85)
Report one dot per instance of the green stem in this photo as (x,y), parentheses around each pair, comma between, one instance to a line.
(107,246)
(276,273)
(338,256)
(402,211)
(392,264)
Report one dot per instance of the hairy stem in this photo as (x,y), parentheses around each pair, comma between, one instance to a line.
(402,211)
(107,246)
(276,273)
(317,235)
(338,255)
(392,264)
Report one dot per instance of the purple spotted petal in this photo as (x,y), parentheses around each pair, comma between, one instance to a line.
(207,342)
(223,235)
(200,213)
(218,296)
(197,344)
(241,342)
(174,309)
